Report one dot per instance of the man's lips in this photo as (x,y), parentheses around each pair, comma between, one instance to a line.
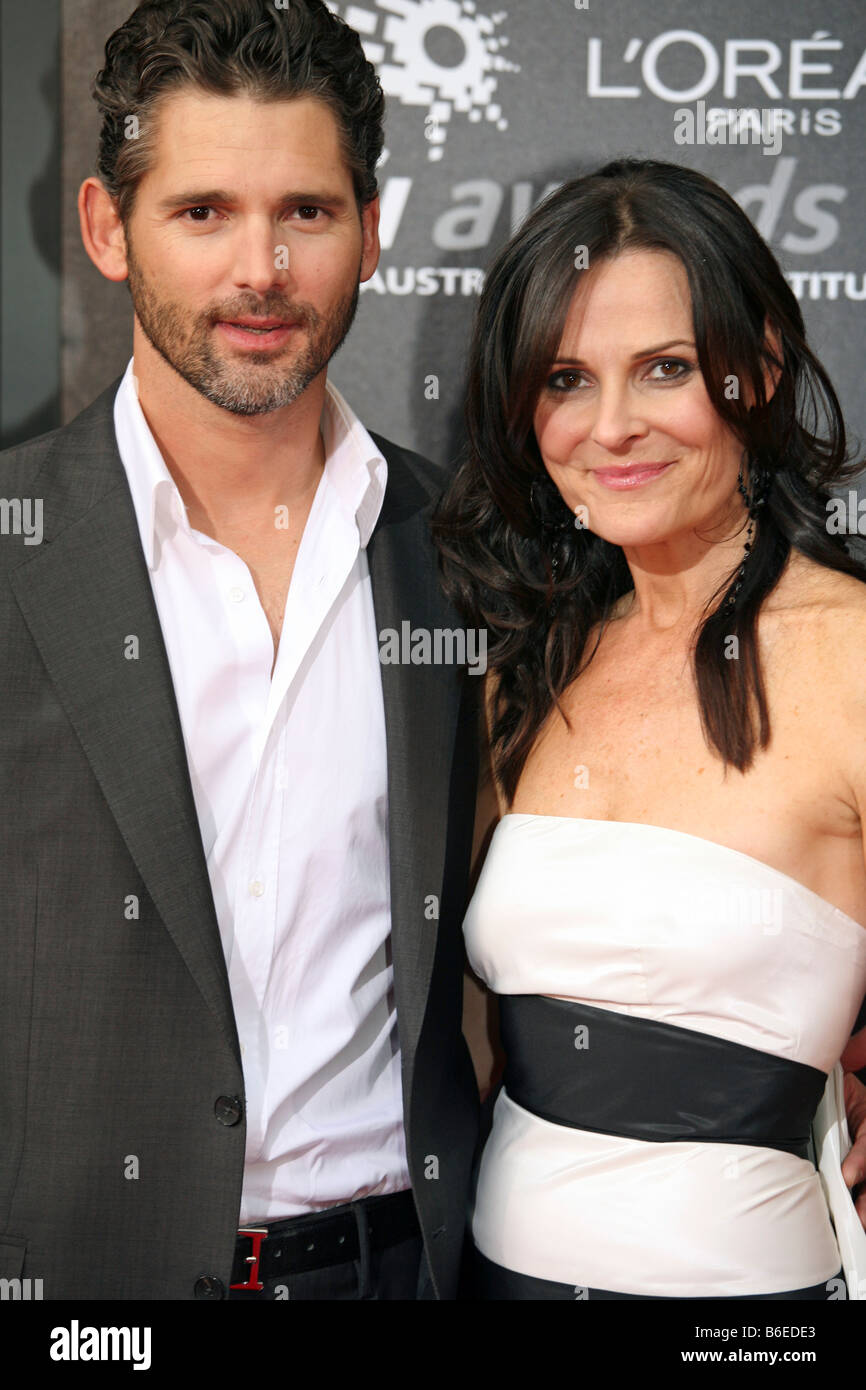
(631,475)
(247,332)
(258,323)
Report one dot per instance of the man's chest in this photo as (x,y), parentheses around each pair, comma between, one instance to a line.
(287,754)
(270,558)
(271,573)
(251,640)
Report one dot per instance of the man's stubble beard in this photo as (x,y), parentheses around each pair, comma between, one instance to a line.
(260,382)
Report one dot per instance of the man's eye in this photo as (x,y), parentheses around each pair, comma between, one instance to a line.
(307,212)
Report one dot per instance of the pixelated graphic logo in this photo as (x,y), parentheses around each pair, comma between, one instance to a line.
(441,54)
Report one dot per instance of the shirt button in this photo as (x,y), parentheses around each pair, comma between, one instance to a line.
(237,595)
(207,1286)
(228,1110)
(257,888)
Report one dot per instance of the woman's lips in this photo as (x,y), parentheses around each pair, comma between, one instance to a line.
(630,475)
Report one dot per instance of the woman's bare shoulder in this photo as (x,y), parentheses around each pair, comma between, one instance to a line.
(811,590)
(819,615)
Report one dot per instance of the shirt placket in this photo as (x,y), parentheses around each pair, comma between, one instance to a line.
(254,894)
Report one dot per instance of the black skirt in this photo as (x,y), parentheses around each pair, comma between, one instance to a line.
(493,1281)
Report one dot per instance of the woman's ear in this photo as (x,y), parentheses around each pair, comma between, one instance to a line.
(774,359)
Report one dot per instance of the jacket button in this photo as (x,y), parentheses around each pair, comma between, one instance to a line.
(228,1110)
(207,1286)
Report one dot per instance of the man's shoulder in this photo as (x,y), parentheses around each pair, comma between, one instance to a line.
(411,467)
(87,428)
(24,459)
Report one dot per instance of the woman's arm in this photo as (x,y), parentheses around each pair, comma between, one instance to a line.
(849,641)
(854,1166)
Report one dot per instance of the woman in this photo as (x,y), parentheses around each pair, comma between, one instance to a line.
(673,902)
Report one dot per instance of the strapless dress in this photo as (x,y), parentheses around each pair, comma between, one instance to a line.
(671,1011)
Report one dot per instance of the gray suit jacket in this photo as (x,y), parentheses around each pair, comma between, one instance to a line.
(120,1168)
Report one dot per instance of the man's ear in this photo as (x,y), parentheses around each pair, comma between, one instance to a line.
(371,248)
(102,230)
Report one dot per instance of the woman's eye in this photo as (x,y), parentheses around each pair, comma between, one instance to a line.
(670,369)
(565,380)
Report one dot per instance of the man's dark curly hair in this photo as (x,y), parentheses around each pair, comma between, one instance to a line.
(228,47)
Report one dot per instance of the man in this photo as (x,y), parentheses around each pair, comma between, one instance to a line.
(232,949)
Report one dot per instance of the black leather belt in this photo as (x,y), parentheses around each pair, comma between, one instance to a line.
(321,1238)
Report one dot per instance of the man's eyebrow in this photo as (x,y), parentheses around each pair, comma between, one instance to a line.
(644,352)
(204,198)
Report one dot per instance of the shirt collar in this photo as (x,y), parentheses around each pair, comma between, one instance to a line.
(354,468)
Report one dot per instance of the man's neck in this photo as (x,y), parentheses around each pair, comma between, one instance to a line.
(233,470)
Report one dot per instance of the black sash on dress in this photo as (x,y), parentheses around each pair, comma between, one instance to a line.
(613,1073)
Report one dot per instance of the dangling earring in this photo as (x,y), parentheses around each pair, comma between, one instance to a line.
(551,534)
(760,481)
(539,505)
(559,532)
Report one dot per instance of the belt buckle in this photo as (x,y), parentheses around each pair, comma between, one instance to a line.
(256,1234)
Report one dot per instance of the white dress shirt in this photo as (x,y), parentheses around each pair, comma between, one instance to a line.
(289,776)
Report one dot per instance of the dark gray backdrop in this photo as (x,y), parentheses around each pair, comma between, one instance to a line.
(489,103)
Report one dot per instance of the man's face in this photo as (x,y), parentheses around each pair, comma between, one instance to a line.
(247,214)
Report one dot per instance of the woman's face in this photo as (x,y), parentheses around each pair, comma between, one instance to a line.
(624,423)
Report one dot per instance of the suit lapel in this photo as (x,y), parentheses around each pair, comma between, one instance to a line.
(86,597)
(421,708)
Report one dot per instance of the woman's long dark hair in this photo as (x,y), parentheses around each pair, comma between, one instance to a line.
(502,520)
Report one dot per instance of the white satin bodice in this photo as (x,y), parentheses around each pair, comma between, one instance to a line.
(661,925)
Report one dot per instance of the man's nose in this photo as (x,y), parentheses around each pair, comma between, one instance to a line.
(261,256)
